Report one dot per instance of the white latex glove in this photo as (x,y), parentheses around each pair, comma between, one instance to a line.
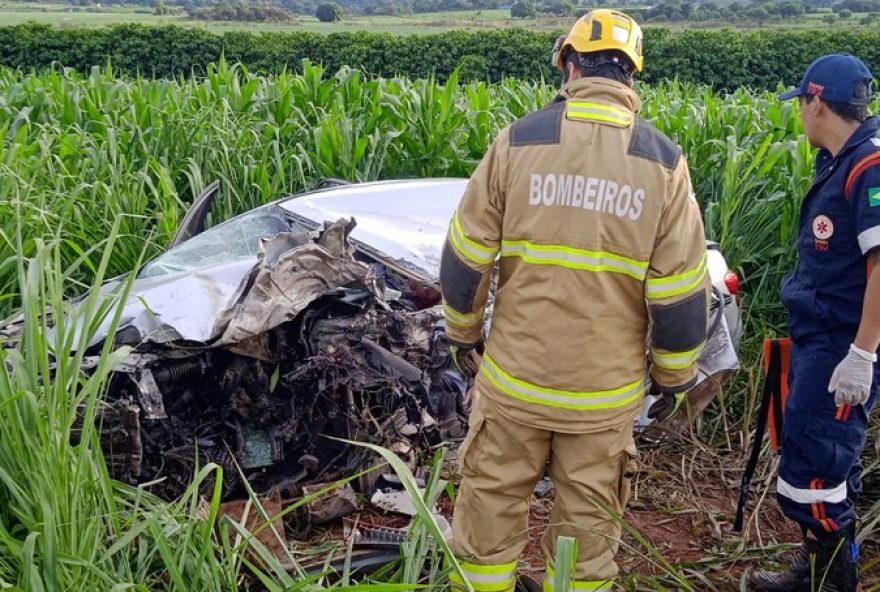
(851,380)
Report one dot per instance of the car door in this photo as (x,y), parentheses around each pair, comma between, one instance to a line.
(196,216)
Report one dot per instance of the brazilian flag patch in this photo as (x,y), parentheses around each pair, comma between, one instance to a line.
(874,196)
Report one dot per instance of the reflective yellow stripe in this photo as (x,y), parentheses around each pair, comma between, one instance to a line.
(578,400)
(461,319)
(598,112)
(598,117)
(677,360)
(601,107)
(549,584)
(572,258)
(675,285)
(467,248)
(505,585)
(598,106)
(580,585)
(487,578)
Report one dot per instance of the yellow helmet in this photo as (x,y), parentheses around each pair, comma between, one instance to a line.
(600,30)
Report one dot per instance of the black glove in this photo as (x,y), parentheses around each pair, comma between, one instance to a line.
(667,405)
(467,358)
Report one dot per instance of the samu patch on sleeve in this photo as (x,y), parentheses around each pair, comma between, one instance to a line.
(874,196)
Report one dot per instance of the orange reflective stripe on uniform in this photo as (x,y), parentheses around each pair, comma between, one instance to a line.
(469,248)
(564,256)
(857,170)
(580,400)
(579,585)
(591,111)
(676,285)
(486,578)
(818,509)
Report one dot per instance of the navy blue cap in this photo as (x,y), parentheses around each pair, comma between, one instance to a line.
(834,78)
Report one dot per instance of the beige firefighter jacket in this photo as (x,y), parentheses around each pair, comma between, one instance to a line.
(590,214)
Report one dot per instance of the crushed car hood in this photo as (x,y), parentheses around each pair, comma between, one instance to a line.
(155,307)
(228,303)
(402,224)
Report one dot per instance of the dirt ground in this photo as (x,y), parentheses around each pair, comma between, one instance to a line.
(682,509)
(683,506)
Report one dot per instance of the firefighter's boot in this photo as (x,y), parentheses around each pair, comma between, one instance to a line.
(795,579)
(825,564)
(837,562)
(526,584)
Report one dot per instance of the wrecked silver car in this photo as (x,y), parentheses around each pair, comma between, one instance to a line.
(262,343)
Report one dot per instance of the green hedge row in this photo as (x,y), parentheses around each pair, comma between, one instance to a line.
(722,59)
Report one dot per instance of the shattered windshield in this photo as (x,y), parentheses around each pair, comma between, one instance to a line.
(236,239)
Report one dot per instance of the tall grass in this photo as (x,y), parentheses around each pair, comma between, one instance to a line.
(64,524)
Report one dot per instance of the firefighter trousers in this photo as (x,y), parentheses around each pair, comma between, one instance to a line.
(502,461)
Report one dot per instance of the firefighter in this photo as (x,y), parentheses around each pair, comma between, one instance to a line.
(833,300)
(590,214)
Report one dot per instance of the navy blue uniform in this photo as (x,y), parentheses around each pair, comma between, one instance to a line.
(820,473)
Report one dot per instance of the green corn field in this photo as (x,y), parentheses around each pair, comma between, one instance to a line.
(82,152)
(96,171)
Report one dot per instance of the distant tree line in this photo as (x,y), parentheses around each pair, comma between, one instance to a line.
(530,9)
(857,6)
(220,9)
(659,11)
(384,7)
(663,11)
(223,9)
(758,11)
(239,11)
(683,10)
(395,7)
